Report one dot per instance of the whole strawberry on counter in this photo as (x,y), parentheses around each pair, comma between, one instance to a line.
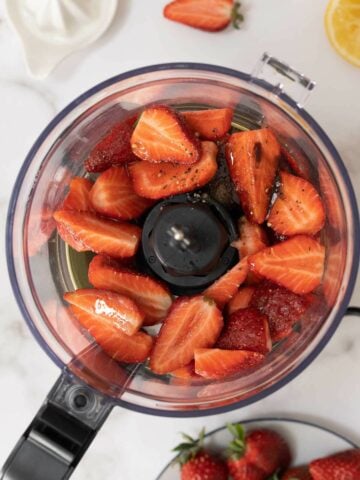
(196,463)
(341,466)
(257,454)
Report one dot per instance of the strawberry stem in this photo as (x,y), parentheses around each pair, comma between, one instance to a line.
(236,16)
(236,447)
(189,449)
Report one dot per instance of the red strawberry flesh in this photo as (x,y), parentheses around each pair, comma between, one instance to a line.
(209,124)
(193,322)
(78,197)
(113,195)
(119,311)
(151,296)
(241,299)
(161,135)
(161,180)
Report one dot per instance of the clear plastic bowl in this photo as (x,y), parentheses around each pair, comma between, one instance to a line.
(42,268)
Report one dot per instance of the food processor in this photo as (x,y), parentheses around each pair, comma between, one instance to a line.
(42,267)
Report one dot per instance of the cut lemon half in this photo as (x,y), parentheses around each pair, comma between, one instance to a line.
(342,24)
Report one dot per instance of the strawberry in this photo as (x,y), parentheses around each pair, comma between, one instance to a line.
(297,473)
(161,135)
(160,180)
(78,197)
(239,466)
(282,307)
(40,228)
(198,464)
(186,372)
(341,466)
(253,158)
(193,322)
(209,124)
(296,264)
(113,149)
(87,231)
(151,296)
(225,287)
(119,311)
(246,329)
(209,15)
(299,167)
(119,346)
(297,209)
(267,450)
(214,363)
(113,195)
(252,238)
(241,299)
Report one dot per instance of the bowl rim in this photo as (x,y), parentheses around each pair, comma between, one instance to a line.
(232,73)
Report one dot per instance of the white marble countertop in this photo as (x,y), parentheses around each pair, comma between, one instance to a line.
(134,446)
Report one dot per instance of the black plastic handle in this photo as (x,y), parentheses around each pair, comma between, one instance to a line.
(60,433)
(353,311)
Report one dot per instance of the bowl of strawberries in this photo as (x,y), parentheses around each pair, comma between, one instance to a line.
(183,241)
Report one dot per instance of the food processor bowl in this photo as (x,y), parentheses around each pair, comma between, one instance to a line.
(42,267)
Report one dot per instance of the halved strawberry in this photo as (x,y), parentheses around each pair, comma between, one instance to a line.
(210,124)
(246,329)
(224,289)
(78,197)
(113,195)
(267,450)
(241,299)
(297,264)
(297,473)
(282,307)
(161,135)
(209,15)
(161,180)
(253,158)
(299,167)
(119,346)
(86,231)
(340,466)
(119,311)
(152,297)
(193,322)
(252,238)
(186,372)
(297,209)
(215,363)
(113,149)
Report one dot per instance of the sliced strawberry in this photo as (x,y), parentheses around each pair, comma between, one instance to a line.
(332,199)
(252,238)
(209,124)
(161,180)
(161,135)
(119,346)
(193,322)
(215,363)
(224,289)
(297,209)
(341,466)
(296,264)
(282,307)
(241,299)
(152,297)
(246,329)
(113,195)
(267,450)
(297,473)
(299,167)
(186,373)
(78,197)
(87,231)
(210,15)
(253,158)
(113,149)
(119,311)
